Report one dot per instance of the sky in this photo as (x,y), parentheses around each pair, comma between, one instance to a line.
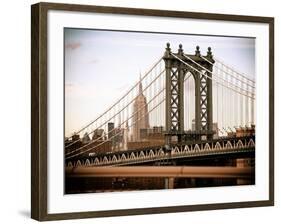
(101,65)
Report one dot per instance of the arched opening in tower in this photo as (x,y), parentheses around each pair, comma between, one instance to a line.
(189,102)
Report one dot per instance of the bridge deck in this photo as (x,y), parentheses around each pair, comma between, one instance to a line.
(241,147)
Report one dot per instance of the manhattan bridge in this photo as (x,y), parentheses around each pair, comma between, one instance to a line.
(185,108)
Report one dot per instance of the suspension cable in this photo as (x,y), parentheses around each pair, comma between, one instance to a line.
(73,151)
(146,74)
(238,73)
(215,74)
(87,150)
(231,69)
(119,131)
(210,77)
(119,111)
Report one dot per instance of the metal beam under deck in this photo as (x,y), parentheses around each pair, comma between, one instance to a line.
(162,171)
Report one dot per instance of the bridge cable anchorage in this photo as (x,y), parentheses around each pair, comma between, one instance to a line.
(119,131)
(119,111)
(215,75)
(242,80)
(210,77)
(127,93)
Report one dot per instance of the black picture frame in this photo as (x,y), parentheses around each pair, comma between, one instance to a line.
(39,108)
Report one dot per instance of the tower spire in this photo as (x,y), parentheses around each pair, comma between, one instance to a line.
(140,85)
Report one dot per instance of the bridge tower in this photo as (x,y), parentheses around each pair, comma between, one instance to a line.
(177,65)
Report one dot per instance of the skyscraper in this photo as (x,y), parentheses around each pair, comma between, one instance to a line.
(140,111)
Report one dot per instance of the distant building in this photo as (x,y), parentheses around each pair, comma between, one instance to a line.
(156,129)
(86,138)
(193,127)
(216,130)
(75,137)
(96,146)
(143,133)
(140,118)
(117,138)
(156,134)
(110,127)
(245,131)
(98,134)
(126,136)
(73,143)
(151,137)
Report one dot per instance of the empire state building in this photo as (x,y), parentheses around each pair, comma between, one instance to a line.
(140,118)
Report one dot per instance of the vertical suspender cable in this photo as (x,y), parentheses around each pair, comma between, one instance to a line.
(218,123)
(253,108)
(246,110)
(242,109)
(189,104)
(232,103)
(222,112)
(226,102)
(236,105)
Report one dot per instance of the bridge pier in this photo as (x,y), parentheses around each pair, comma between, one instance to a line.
(169,183)
(243,163)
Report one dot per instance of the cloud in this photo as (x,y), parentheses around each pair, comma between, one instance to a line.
(73,46)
